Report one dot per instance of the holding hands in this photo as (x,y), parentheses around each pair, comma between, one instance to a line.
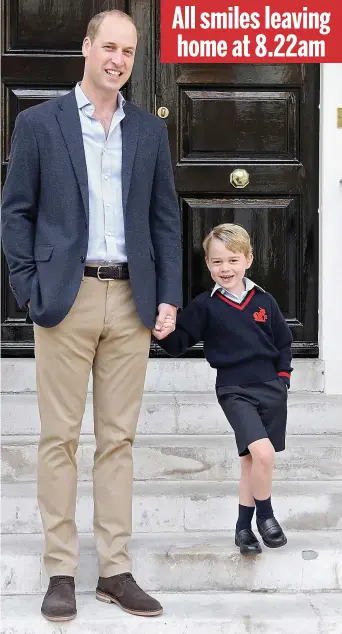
(165,322)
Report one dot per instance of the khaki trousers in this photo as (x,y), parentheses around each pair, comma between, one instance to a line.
(103,333)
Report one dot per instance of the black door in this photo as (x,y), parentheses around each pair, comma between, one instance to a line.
(41,59)
(262,119)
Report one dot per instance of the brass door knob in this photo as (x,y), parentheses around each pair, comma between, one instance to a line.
(163,112)
(239,178)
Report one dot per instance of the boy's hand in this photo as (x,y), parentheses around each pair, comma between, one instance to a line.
(166,321)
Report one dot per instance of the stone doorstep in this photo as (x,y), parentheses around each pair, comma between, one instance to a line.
(310,562)
(183,413)
(167,375)
(315,457)
(180,507)
(201,613)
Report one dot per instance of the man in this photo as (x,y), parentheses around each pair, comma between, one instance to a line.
(91,233)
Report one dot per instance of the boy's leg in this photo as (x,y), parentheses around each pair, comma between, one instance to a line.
(245,493)
(247,410)
(263,454)
(244,536)
(272,409)
(246,500)
(241,413)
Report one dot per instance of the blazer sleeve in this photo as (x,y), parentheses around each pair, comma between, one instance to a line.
(190,327)
(165,227)
(282,337)
(19,209)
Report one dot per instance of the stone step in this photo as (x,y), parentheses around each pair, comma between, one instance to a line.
(187,458)
(167,375)
(184,413)
(186,506)
(310,562)
(202,613)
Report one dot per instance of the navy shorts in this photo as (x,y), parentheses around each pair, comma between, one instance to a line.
(255,412)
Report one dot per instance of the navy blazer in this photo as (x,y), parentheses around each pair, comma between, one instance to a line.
(45,211)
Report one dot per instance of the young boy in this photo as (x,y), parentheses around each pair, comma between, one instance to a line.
(247,340)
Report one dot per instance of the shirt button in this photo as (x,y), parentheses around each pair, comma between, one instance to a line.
(107,205)
(82,258)
(105,177)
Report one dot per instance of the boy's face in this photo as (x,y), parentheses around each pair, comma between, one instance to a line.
(226,267)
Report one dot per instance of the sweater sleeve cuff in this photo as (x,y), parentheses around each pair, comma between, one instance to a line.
(286,377)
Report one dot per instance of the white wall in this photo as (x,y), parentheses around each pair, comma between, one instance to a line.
(330,293)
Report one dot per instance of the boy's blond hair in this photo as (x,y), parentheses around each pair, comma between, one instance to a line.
(234,237)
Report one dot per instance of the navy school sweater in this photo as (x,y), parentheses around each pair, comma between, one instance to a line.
(246,343)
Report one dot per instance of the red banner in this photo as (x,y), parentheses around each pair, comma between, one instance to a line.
(211,31)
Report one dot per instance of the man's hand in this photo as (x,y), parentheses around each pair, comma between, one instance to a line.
(165,322)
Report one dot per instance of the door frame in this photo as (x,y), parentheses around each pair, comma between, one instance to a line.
(330,229)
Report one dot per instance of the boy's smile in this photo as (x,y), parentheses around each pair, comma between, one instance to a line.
(227,268)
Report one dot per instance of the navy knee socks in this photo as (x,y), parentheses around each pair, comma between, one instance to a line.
(264,509)
(245,518)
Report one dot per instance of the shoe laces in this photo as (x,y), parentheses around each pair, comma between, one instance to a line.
(57,579)
(127,576)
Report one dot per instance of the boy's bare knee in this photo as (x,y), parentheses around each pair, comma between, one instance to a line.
(263,453)
(246,463)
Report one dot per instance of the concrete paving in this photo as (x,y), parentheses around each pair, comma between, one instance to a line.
(183,506)
(216,613)
(315,457)
(310,562)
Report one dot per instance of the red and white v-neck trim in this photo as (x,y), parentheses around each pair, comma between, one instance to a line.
(235,304)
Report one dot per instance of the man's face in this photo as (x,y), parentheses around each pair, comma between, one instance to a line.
(110,57)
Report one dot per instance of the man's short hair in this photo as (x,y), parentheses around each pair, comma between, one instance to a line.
(96,21)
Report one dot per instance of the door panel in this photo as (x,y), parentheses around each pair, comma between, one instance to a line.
(42,25)
(205,135)
(267,221)
(263,119)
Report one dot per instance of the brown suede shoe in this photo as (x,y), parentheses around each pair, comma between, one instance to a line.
(124,591)
(59,602)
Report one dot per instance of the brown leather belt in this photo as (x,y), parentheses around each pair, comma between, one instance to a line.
(108,272)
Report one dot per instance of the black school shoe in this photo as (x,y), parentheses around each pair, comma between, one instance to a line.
(247,542)
(271,533)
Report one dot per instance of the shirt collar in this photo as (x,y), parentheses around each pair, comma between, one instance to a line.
(248,286)
(82,99)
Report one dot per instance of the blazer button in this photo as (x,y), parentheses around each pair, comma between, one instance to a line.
(82,258)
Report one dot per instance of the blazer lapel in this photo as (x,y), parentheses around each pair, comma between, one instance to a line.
(69,121)
(130,133)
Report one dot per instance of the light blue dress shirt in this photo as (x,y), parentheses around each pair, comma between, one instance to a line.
(104,164)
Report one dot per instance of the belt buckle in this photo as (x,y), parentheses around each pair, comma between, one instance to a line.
(103,279)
